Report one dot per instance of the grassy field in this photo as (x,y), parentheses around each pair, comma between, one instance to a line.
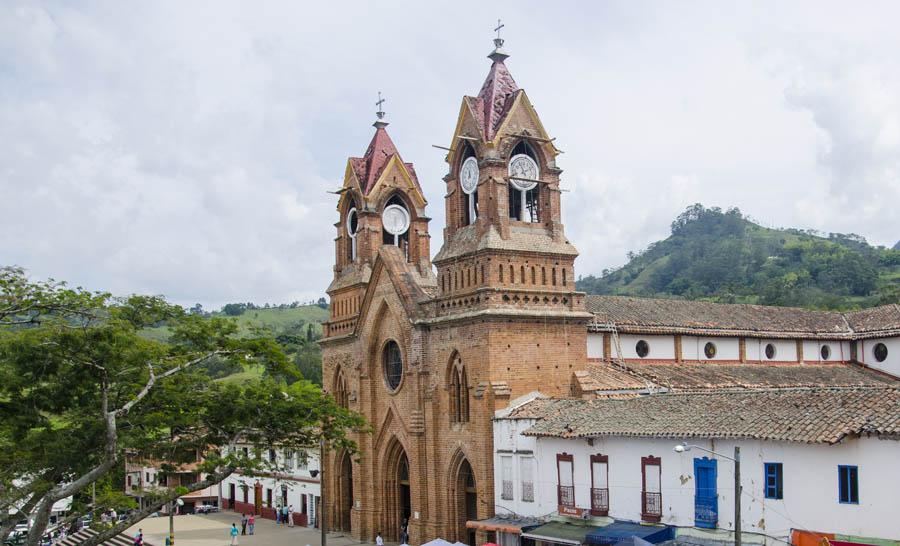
(271,319)
(253,372)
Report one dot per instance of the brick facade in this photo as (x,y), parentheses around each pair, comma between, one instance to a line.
(501,313)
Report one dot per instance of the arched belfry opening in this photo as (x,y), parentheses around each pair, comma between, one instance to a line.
(397,492)
(463,502)
(396,222)
(524,183)
(468,175)
(345,492)
(351,225)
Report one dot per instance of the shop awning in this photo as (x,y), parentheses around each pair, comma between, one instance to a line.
(560,533)
(621,530)
(504,525)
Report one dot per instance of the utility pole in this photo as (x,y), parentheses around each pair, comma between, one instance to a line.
(322,509)
(737,496)
(172,523)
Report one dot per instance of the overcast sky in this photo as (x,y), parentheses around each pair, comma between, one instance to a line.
(185,148)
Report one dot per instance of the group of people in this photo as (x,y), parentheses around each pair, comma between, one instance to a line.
(248,523)
(285,515)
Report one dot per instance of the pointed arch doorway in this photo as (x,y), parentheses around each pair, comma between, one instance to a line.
(397,493)
(345,492)
(464,502)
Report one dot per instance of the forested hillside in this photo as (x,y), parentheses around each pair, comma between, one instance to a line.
(725,257)
(296,327)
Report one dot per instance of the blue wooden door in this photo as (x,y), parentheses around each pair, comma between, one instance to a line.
(706,499)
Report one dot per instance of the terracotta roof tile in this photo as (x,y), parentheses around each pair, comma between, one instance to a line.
(817,415)
(886,317)
(706,375)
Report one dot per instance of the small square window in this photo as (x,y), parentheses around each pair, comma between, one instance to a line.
(848,484)
(774,481)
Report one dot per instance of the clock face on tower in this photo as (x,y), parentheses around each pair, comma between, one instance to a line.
(523,172)
(468,175)
(395,219)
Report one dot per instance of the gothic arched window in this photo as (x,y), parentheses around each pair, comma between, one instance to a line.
(392,361)
(341,393)
(459,392)
(524,186)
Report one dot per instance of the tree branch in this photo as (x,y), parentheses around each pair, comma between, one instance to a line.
(135,517)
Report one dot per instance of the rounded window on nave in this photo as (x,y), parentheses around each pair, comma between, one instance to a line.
(393,365)
(710,350)
(880,351)
(770,351)
(642,348)
(825,352)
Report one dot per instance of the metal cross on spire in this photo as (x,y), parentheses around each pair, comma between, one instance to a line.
(381,101)
(498,41)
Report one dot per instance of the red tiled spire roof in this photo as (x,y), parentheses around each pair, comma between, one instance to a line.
(497,92)
(370,165)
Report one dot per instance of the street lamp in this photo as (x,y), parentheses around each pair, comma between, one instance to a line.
(179,502)
(684,446)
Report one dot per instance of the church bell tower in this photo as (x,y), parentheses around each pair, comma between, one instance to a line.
(381,203)
(504,242)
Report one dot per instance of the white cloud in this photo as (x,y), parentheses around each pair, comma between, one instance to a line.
(186,148)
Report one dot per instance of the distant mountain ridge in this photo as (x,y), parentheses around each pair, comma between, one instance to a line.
(725,257)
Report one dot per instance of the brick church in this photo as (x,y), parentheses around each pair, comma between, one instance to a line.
(428,348)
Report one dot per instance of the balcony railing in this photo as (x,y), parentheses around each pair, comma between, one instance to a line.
(528,491)
(566,495)
(507,493)
(651,506)
(599,501)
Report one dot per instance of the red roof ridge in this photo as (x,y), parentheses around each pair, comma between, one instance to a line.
(495,95)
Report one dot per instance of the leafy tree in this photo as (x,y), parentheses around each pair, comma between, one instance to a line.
(235,309)
(80,385)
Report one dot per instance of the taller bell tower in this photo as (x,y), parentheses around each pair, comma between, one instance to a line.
(504,242)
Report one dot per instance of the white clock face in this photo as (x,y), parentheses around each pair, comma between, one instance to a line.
(523,171)
(352,222)
(395,219)
(468,175)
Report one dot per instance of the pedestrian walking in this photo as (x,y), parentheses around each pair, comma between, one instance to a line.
(244,524)
(291,515)
(251,523)
(284,515)
(234,539)
(139,538)
(277,515)
(404,532)
(378,540)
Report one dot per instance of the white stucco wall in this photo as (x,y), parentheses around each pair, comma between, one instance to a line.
(594,345)
(891,364)
(810,482)
(661,347)
(727,348)
(298,479)
(785,349)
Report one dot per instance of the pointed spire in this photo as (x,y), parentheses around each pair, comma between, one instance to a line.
(498,87)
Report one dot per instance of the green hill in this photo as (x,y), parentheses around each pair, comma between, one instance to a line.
(725,257)
(296,328)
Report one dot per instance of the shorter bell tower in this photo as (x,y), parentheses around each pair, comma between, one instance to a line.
(381,203)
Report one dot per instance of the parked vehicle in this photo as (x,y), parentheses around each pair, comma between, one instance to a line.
(206,509)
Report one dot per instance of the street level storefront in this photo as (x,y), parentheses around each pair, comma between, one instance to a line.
(619,531)
(558,533)
(505,531)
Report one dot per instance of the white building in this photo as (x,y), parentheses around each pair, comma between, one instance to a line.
(814,459)
(286,481)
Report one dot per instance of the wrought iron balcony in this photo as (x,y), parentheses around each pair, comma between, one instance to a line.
(566,495)
(599,501)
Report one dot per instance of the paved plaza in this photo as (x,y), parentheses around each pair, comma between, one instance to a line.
(213,530)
